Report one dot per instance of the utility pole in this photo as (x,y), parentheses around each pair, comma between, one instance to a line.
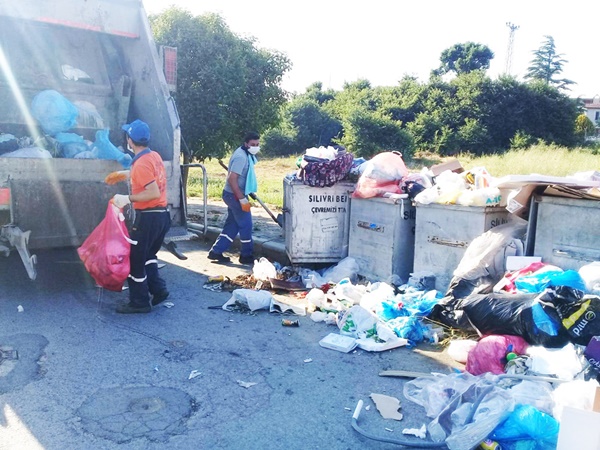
(511,40)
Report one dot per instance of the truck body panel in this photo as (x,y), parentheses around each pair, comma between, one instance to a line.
(48,46)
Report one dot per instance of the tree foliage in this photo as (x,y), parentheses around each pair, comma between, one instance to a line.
(226,86)
(547,65)
(465,58)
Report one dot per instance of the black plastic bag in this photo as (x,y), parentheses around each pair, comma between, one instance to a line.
(580,314)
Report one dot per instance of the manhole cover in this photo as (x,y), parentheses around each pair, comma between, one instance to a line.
(124,414)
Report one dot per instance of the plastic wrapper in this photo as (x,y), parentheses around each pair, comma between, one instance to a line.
(465,409)
(105,253)
(538,394)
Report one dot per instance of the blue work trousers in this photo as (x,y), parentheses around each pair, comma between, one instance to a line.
(237,221)
(149,231)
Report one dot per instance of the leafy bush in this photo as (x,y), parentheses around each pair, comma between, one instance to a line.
(521,140)
(275,142)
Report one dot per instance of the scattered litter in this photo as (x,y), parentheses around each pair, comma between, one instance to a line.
(245,384)
(20,308)
(156,368)
(169,304)
(308,360)
(387,406)
(231,320)
(283,304)
(194,374)
(249,299)
(367,408)
(216,279)
(348,409)
(215,287)
(338,342)
(388,429)
(290,323)
(258,286)
(418,432)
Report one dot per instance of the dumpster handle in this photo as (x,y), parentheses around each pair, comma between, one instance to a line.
(448,242)
(204,195)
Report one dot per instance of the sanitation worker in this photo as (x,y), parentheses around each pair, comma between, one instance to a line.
(241,181)
(151,223)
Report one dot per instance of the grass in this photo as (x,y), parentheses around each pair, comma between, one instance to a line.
(539,159)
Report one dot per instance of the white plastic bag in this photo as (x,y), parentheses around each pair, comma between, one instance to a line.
(250,298)
(263,269)
(591,276)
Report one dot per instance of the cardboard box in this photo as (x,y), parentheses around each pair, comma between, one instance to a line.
(453,165)
(518,204)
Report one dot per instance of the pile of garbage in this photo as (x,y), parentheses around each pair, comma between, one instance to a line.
(56,116)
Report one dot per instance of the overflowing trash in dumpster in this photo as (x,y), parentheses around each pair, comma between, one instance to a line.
(524,332)
(56,116)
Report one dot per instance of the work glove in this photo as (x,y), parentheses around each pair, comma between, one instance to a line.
(120,200)
(116,177)
(246,206)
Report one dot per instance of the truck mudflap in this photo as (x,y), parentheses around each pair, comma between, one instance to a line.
(11,237)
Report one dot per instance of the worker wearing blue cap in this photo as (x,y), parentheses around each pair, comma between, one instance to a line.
(152,219)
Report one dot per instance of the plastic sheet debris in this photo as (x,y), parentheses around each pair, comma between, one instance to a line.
(250,299)
(246,384)
(193,374)
(20,309)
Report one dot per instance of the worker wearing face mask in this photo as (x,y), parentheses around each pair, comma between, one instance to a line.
(241,181)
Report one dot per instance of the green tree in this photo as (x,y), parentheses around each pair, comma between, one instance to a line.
(547,65)
(464,58)
(226,86)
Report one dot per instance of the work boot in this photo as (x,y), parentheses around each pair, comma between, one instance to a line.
(246,259)
(159,298)
(218,257)
(131,308)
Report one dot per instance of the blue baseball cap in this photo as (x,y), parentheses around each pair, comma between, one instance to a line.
(138,131)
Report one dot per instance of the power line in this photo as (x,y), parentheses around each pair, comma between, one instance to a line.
(511,40)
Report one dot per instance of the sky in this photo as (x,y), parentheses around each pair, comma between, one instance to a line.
(335,42)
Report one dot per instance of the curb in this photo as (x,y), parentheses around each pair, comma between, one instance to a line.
(269,248)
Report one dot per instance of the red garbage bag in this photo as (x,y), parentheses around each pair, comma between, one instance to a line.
(105,253)
(489,355)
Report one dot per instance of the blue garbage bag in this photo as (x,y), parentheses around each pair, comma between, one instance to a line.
(104,149)
(54,112)
(71,144)
(527,428)
(536,283)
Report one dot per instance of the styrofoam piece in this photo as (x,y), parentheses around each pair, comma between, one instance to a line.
(338,342)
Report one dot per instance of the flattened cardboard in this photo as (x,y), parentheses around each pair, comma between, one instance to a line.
(387,406)
(452,165)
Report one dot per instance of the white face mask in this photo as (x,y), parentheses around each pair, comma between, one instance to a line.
(254,150)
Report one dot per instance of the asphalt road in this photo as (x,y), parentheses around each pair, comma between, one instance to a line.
(88,378)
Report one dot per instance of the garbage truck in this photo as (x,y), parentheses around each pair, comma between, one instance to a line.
(100,56)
